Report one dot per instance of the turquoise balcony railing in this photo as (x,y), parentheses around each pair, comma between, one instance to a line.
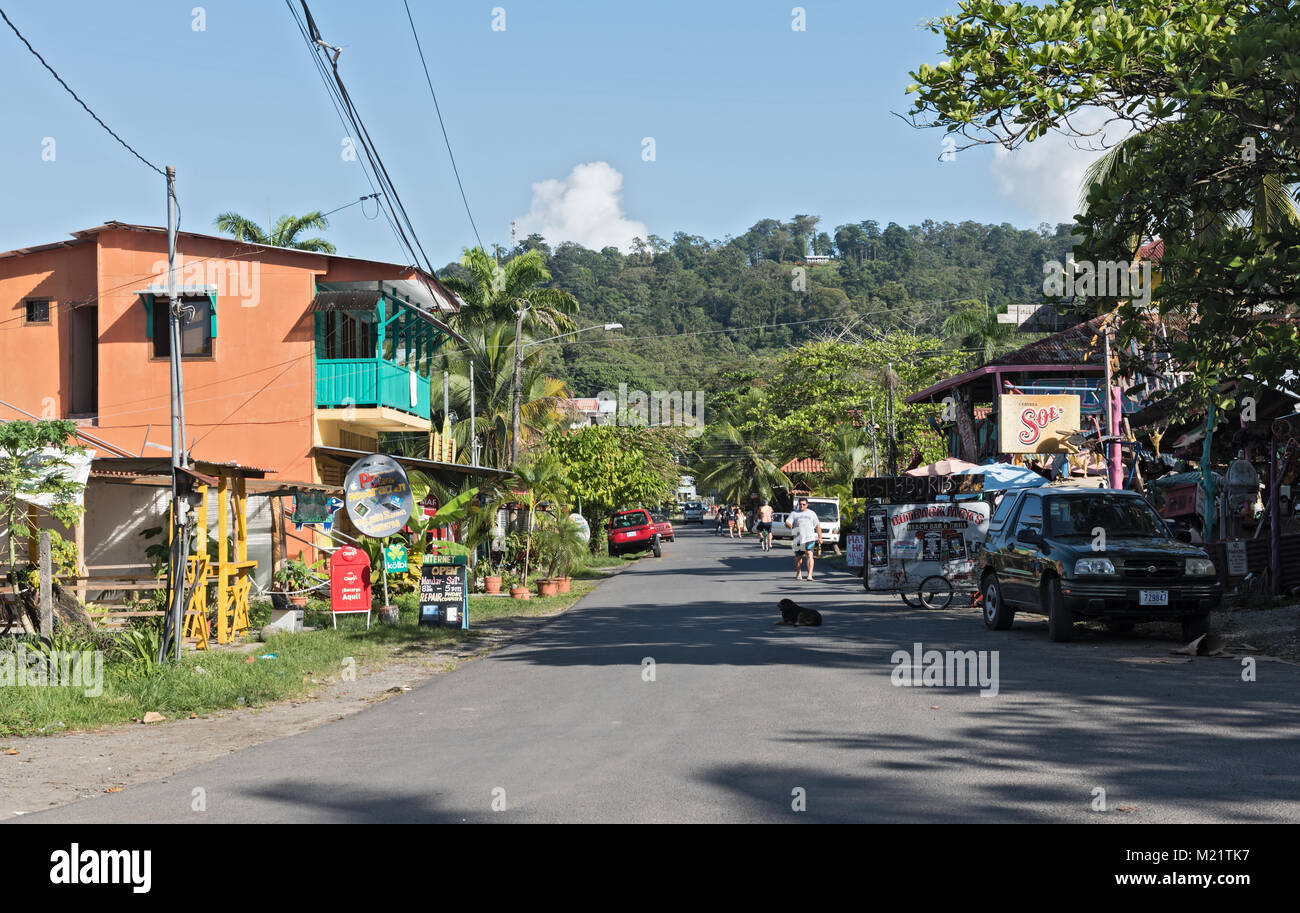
(366,383)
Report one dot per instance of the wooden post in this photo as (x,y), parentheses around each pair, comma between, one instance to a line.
(79,537)
(277,532)
(223,559)
(47,589)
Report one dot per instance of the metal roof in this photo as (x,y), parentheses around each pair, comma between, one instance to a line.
(344,453)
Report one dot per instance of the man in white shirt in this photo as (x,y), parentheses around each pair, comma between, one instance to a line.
(807,529)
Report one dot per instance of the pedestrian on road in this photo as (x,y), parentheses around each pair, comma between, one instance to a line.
(807,535)
(731,521)
(765,527)
(740,522)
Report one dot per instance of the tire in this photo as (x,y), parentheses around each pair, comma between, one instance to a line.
(935,592)
(997,614)
(1060,620)
(908,600)
(1194,626)
(656,547)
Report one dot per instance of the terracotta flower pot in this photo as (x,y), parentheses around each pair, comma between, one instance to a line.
(520,592)
(549,586)
(300,600)
(564,584)
(492,584)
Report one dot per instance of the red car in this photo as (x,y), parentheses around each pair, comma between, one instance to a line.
(664,527)
(633,531)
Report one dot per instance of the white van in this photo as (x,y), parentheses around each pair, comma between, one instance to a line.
(827,511)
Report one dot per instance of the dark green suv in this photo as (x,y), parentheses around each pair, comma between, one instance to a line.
(1092,553)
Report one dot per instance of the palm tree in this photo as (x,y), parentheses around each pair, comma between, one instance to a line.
(979,329)
(736,465)
(493,293)
(1274,205)
(491,348)
(283,234)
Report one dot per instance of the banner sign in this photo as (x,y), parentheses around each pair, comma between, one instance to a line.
(444,591)
(908,542)
(857,549)
(378,496)
(310,507)
(916,488)
(1036,424)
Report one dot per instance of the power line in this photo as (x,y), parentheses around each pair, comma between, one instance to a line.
(454,169)
(370,196)
(124,143)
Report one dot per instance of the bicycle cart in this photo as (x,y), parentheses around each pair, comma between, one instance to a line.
(925,552)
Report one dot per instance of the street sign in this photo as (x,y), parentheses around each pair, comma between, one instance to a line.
(444,591)
(1237,564)
(583,526)
(378,496)
(395,558)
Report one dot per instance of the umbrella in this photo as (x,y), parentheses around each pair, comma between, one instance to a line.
(1005,476)
(942,468)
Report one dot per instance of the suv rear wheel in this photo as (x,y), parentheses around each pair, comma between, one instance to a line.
(658,549)
(1060,620)
(997,614)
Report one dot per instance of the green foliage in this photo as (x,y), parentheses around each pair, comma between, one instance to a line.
(610,467)
(1209,90)
(33,456)
(284,233)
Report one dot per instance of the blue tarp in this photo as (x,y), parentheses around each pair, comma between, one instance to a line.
(1005,477)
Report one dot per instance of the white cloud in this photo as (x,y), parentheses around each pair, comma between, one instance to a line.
(1043,177)
(585,207)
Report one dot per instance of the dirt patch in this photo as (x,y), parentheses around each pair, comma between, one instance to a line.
(1271,631)
(46,771)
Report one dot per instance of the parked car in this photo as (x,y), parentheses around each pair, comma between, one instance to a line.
(664,527)
(1088,553)
(693,512)
(633,531)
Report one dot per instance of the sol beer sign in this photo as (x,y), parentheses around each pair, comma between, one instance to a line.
(1036,424)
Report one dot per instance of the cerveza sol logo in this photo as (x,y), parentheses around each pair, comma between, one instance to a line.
(78,866)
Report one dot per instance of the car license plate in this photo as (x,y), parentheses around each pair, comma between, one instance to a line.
(628,535)
(1153,597)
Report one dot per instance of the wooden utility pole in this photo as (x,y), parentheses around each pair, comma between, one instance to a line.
(514,429)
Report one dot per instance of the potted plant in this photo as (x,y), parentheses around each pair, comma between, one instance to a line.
(295,577)
(562,545)
(518,588)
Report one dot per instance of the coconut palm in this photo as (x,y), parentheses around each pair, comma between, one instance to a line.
(977,326)
(1274,207)
(284,233)
(491,350)
(493,293)
(736,463)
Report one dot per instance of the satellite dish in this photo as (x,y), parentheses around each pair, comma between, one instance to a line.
(377,495)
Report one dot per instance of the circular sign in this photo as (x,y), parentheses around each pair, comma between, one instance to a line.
(584,528)
(378,496)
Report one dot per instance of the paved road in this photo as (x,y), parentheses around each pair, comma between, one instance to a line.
(741,714)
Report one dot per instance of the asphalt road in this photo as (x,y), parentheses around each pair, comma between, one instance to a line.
(744,719)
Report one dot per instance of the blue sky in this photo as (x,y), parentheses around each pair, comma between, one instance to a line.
(750,119)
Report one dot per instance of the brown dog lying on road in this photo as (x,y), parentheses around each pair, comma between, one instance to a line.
(794,614)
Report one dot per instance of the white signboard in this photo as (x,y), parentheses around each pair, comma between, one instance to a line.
(1237,566)
(857,550)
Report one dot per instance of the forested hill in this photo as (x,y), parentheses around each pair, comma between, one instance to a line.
(692,309)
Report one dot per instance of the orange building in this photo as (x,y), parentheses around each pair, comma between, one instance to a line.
(287,354)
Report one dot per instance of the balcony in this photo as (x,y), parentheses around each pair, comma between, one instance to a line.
(376,343)
(370,383)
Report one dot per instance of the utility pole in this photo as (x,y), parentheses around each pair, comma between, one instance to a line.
(889,413)
(179,545)
(473,438)
(875,461)
(514,431)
